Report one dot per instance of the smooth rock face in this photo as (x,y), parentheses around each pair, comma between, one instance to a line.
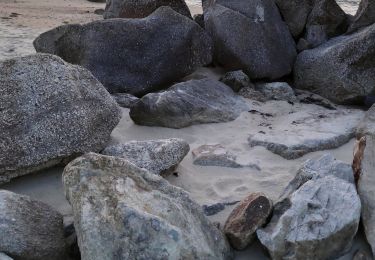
(295,14)
(249,215)
(237,27)
(236,80)
(124,212)
(325,21)
(142,55)
(318,168)
(30,229)
(125,100)
(365,15)
(366,181)
(318,221)
(50,111)
(188,103)
(160,157)
(142,8)
(214,155)
(317,130)
(277,91)
(341,70)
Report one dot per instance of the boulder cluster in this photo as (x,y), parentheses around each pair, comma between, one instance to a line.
(59,106)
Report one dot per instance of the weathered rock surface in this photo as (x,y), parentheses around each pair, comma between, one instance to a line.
(214,155)
(160,157)
(188,103)
(341,70)
(318,168)
(318,221)
(326,20)
(313,131)
(125,100)
(217,155)
(236,80)
(307,97)
(30,229)
(295,14)
(50,111)
(142,8)
(124,212)
(252,93)
(277,91)
(366,181)
(142,55)
(365,15)
(249,215)
(237,28)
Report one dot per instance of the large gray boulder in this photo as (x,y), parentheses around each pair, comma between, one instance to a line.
(341,70)
(160,157)
(365,15)
(317,130)
(295,14)
(142,8)
(134,56)
(366,181)
(317,168)
(50,111)
(250,35)
(30,229)
(318,221)
(326,20)
(188,103)
(124,212)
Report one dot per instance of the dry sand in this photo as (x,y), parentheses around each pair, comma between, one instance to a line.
(207,185)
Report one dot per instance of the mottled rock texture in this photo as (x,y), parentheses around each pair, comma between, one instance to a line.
(50,111)
(124,212)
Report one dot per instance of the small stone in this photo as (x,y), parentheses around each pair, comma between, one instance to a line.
(236,80)
(214,155)
(246,218)
(277,91)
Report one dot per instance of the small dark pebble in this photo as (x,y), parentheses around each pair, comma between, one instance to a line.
(175,174)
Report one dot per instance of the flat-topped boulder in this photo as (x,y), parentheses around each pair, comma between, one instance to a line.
(160,157)
(188,103)
(125,212)
(50,111)
(134,56)
(341,69)
(294,135)
(142,8)
(250,35)
(30,229)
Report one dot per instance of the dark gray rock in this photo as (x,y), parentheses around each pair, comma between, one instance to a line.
(277,91)
(199,19)
(252,93)
(210,210)
(316,130)
(250,35)
(236,80)
(295,14)
(160,157)
(365,16)
(141,55)
(124,212)
(30,229)
(326,20)
(125,100)
(188,103)
(50,111)
(307,97)
(321,167)
(249,215)
(142,8)
(342,70)
(318,221)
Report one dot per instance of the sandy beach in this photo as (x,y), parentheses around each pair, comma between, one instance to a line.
(22,21)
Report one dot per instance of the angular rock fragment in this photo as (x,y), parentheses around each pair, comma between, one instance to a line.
(124,212)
